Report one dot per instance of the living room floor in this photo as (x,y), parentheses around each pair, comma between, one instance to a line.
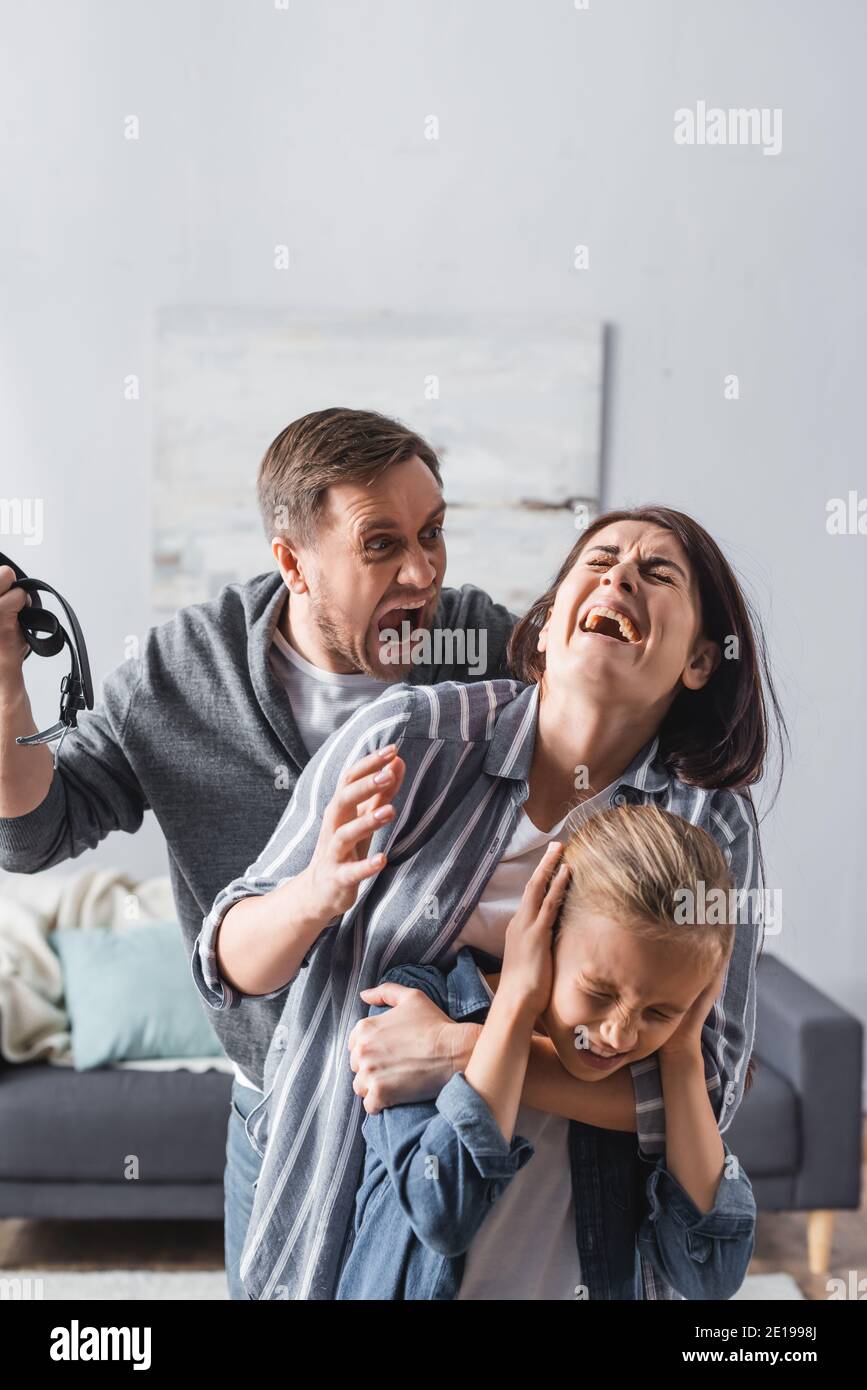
(781,1245)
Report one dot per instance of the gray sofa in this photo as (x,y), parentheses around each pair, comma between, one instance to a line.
(798,1131)
(67,1139)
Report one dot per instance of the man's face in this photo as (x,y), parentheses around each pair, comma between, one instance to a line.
(379,560)
(655,644)
(616,998)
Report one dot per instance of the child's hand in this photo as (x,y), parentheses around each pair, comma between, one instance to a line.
(528,971)
(686,1038)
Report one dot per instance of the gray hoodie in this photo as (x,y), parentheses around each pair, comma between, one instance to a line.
(198,730)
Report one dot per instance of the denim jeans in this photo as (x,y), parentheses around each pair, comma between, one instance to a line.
(242,1173)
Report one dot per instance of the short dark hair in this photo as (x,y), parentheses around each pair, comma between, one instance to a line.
(325,447)
(717,736)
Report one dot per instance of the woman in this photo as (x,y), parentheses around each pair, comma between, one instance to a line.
(642,682)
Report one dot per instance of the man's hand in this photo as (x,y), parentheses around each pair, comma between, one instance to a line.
(13,644)
(409,1053)
(25,772)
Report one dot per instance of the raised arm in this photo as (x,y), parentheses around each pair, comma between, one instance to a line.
(699,1229)
(266,937)
(47,813)
(263,926)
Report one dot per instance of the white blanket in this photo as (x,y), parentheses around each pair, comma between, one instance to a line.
(33,1020)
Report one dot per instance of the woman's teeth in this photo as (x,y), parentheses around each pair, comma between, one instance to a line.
(626,629)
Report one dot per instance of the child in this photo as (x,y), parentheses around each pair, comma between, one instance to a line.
(477,1196)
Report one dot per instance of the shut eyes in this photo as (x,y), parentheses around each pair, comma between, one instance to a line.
(654,1013)
(655,571)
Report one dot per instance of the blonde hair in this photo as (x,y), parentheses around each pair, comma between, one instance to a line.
(643,866)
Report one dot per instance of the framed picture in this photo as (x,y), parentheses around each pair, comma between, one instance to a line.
(513,408)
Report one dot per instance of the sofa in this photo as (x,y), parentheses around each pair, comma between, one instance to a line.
(114,1144)
(798,1130)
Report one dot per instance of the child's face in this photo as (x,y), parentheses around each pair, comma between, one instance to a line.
(625,996)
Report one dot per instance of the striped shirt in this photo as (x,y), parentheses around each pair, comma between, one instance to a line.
(468,751)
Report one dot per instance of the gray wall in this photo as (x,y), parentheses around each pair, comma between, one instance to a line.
(306,127)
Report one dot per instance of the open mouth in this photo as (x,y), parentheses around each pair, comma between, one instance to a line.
(600,1059)
(393,618)
(607,622)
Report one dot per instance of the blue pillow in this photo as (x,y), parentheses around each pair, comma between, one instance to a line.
(130,995)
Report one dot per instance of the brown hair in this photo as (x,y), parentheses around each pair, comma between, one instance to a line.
(326,447)
(637,863)
(717,736)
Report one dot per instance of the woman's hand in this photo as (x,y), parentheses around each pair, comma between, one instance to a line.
(407,1054)
(359,807)
(528,968)
(685,1041)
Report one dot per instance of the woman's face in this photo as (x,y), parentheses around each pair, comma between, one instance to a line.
(616,998)
(627,619)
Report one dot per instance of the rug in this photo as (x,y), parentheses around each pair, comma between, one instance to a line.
(129,1285)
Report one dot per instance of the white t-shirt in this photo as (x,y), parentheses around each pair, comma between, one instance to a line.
(321,701)
(525,1248)
(485,927)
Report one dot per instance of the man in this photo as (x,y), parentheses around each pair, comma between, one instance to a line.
(228,701)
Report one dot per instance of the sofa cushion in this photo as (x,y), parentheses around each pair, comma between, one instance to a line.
(130,995)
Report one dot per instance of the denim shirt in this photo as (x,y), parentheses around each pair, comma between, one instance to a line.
(411,1229)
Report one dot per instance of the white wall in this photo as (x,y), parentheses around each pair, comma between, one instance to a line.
(306,127)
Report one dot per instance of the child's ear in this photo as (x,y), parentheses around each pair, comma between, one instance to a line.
(705,658)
